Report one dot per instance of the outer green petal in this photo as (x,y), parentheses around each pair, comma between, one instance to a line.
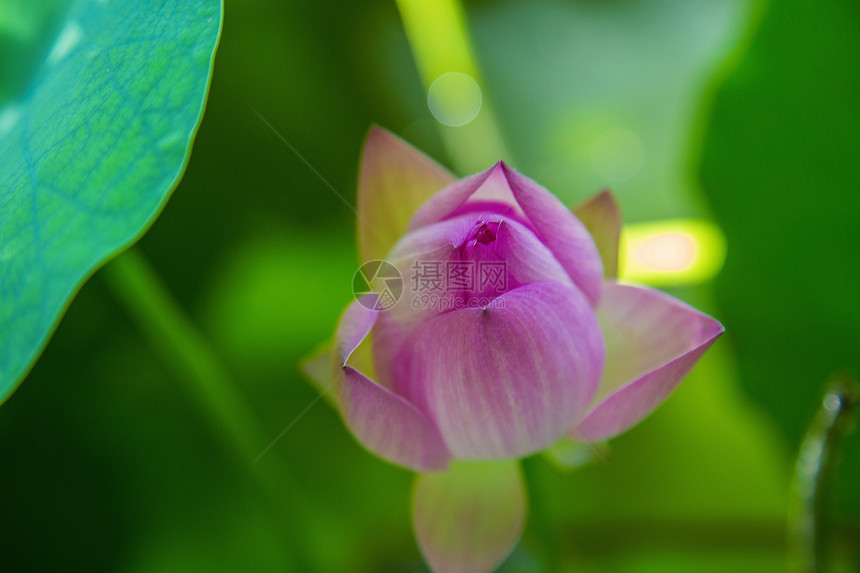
(601,215)
(317,369)
(394,180)
(468,519)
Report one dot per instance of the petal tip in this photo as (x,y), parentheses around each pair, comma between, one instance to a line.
(509,172)
(601,215)
(606,200)
(606,194)
(354,326)
(316,366)
(715,328)
(378,134)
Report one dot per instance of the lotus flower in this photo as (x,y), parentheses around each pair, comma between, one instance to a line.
(511,333)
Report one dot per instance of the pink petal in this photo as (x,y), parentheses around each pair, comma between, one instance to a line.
(526,258)
(435,245)
(507,379)
(446,201)
(385,423)
(601,215)
(468,519)
(561,231)
(354,326)
(389,426)
(523,199)
(652,341)
(394,180)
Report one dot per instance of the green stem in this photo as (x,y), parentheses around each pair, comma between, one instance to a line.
(816,464)
(438,36)
(545,538)
(184,350)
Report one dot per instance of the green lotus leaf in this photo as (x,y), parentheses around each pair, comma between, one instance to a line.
(92,142)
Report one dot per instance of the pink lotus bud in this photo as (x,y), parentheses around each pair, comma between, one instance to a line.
(508,333)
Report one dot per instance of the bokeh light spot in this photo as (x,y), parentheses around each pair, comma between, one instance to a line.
(674,252)
(668,251)
(454,98)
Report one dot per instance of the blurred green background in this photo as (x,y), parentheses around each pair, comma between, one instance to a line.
(735,111)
